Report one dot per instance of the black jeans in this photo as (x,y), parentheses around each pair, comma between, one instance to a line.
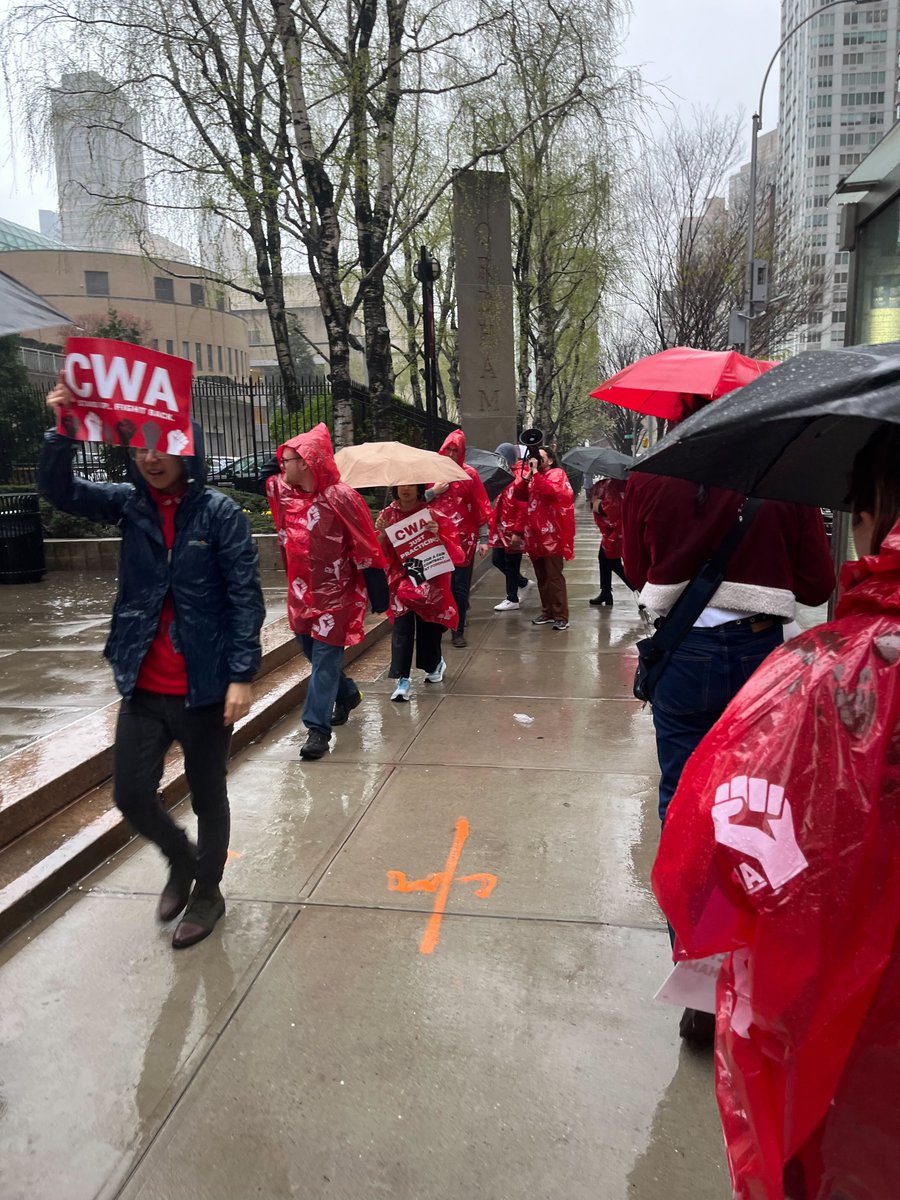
(148,725)
(410,630)
(608,568)
(460,585)
(509,565)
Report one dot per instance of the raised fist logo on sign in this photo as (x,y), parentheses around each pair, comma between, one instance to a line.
(753,817)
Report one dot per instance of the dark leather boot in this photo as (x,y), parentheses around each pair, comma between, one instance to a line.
(204,909)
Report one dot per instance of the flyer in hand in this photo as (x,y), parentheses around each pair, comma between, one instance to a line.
(422,552)
(127,395)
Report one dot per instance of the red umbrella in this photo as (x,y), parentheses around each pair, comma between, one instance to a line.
(663,385)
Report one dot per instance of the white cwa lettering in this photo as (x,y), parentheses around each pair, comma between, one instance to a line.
(160,388)
(116,372)
(113,373)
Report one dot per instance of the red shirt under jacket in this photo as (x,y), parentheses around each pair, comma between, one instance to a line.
(163,669)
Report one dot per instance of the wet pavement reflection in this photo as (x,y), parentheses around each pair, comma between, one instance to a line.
(434,976)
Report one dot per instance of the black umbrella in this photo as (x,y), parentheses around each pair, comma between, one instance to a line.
(492,469)
(793,433)
(599,460)
(21,308)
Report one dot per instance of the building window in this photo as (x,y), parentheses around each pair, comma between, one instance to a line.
(198,356)
(219,358)
(170,346)
(185,350)
(96,283)
(164,289)
(209,357)
(838,316)
(230,364)
(253,336)
(197,297)
(855,99)
(154,343)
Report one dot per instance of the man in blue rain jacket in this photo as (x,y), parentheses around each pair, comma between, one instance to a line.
(183,646)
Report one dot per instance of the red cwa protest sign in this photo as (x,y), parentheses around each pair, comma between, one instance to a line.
(127,395)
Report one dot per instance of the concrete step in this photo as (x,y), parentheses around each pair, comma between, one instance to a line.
(50,773)
(74,836)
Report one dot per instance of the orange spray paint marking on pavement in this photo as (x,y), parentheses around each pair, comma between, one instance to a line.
(233,854)
(441,884)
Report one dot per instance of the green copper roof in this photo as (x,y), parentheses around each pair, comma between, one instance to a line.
(17,237)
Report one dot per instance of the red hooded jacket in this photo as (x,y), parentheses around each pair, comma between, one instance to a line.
(327,540)
(466,504)
(550,513)
(433,599)
(610,493)
(508,517)
(781,850)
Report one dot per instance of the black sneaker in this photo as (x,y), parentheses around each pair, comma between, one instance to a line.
(543,619)
(316,744)
(341,714)
(600,600)
(204,909)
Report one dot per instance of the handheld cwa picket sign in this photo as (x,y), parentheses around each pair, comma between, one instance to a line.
(127,395)
(423,553)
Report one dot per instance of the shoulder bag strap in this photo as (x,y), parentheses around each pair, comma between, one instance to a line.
(701,589)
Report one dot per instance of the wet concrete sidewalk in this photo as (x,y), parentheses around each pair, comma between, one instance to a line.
(337,1037)
(52,635)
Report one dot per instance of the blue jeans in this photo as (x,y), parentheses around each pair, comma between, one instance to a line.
(327,684)
(708,668)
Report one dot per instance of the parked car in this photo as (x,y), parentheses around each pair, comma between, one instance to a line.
(244,474)
(216,463)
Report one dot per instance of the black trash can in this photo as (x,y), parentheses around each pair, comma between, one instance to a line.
(21,538)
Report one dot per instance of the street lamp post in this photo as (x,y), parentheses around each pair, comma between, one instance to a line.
(427,269)
(748,314)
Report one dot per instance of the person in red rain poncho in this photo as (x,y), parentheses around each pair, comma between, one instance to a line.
(781,850)
(606,498)
(420,609)
(549,532)
(468,507)
(334,567)
(506,533)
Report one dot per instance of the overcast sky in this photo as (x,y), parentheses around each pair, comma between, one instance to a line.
(708,52)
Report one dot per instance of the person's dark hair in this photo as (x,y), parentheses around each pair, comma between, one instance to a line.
(552,455)
(875,482)
(420,492)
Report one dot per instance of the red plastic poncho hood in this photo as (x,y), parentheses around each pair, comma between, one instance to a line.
(780,850)
(866,585)
(315,448)
(454,446)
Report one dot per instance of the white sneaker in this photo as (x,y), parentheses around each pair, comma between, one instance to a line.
(401,691)
(529,583)
(506,606)
(438,674)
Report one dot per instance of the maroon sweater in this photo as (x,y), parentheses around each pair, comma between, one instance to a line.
(671,527)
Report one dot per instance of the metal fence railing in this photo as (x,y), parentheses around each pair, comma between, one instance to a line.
(238,416)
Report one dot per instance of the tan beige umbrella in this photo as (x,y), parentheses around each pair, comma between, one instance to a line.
(386,464)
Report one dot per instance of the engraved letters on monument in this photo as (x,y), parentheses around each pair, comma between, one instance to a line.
(483,236)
